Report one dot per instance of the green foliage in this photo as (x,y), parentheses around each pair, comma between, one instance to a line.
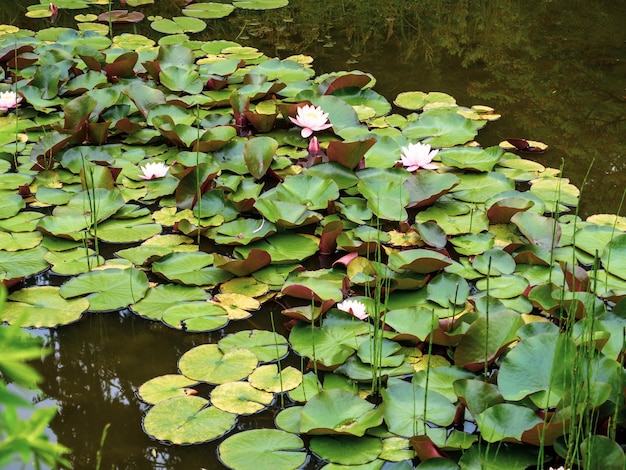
(23,439)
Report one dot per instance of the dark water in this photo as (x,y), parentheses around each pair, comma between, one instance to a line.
(555,70)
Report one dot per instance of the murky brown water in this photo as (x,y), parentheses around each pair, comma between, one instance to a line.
(555,70)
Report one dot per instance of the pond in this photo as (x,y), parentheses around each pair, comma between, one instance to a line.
(553,70)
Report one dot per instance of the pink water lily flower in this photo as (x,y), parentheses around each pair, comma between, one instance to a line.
(416,156)
(354,307)
(8,100)
(311,118)
(154,170)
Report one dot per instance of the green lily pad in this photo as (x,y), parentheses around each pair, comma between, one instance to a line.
(338,411)
(442,127)
(207,363)
(191,269)
(108,289)
(471,158)
(347,450)
(260,4)
(283,248)
(615,250)
(270,379)
(178,25)
(262,448)
(187,420)
(267,346)
(242,231)
(519,376)
(75,261)
(165,387)
(158,299)
(42,307)
(208,10)
(195,316)
(16,264)
(385,192)
(403,405)
(19,241)
(128,230)
(240,398)
(511,457)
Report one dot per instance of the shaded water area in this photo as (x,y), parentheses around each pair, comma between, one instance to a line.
(556,71)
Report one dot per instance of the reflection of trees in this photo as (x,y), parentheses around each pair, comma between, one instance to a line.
(93,373)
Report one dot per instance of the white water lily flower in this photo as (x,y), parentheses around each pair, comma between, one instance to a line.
(154,170)
(311,118)
(354,307)
(418,155)
(8,100)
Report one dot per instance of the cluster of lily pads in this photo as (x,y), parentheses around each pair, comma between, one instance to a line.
(190,16)
(448,306)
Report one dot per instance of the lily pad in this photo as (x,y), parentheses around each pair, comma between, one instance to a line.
(267,346)
(207,363)
(240,398)
(347,450)
(262,448)
(269,378)
(165,387)
(108,289)
(42,307)
(187,420)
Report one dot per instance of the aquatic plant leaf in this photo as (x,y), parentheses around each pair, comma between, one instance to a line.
(73,261)
(419,260)
(240,398)
(477,395)
(19,241)
(442,127)
(506,421)
(190,268)
(17,264)
(333,342)
(411,323)
(284,70)
(484,341)
(360,371)
(42,307)
(195,316)
(494,262)
(312,289)
(613,251)
(208,10)
(342,176)
(556,193)
(10,205)
(165,387)
(348,154)
(181,78)
(262,448)
(187,420)
(425,187)
(346,450)
(602,452)
(258,153)
(519,376)
(284,248)
(208,363)
(471,158)
(272,379)
(385,192)
(513,457)
(178,25)
(108,289)
(267,346)
(161,297)
(480,187)
(338,411)
(286,214)
(128,230)
(260,4)
(121,16)
(311,191)
(539,230)
(403,406)
(309,386)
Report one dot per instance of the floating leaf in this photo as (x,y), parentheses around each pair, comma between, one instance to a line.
(42,307)
(263,448)
(187,420)
(207,363)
